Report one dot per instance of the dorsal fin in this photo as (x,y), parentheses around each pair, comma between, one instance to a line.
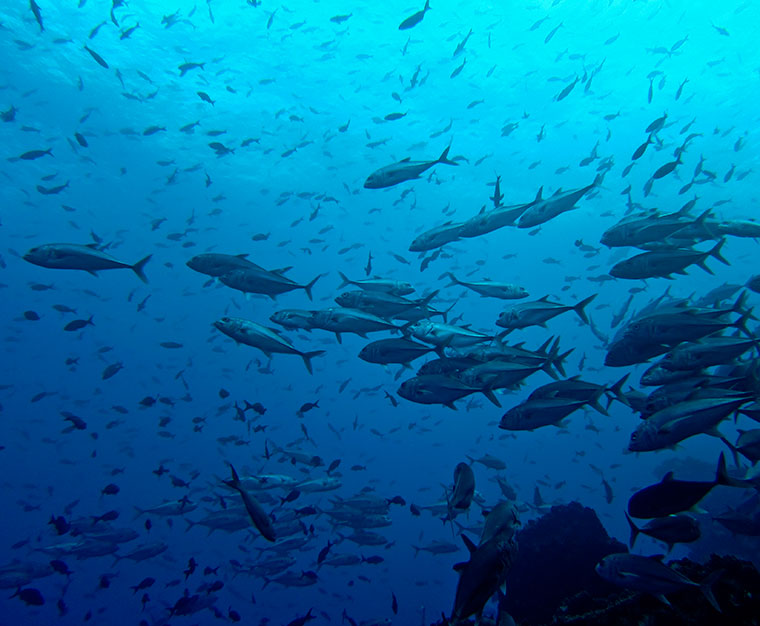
(405,160)
(470,545)
(668,477)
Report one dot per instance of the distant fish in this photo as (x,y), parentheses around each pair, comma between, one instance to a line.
(403,170)
(186,67)
(32,155)
(413,20)
(205,97)
(37,13)
(99,59)
(257,514)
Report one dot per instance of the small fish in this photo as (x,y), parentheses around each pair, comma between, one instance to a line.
(205,97)
(37,16)
(33,155)
(413,20)
(98,59)
(78,324)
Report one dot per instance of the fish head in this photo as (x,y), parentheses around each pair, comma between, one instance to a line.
(46,256)
(420,243)
(642,439)
(606,568)
(374,181)
(368,352)
(348,299)
(226,324)
(411,389)
(403,288)
(421,329)
(201,263)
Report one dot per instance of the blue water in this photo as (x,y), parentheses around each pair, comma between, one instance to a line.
(289,77)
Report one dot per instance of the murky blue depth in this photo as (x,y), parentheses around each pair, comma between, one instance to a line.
(244,128)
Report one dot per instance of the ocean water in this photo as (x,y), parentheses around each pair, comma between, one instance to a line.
(307,99)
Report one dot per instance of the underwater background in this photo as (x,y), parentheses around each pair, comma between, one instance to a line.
(232,127)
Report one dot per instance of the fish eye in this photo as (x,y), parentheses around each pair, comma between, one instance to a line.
(634,436)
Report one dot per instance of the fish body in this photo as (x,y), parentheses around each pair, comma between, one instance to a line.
(388,351)
(342,320)
(216,264)
(491,289)
(435,389)
(649,575)
(89,258)
(538,312)
(416,18)
(293,319)
(402,171)
(393,287)
(661,264)
(671,496)
(488,221)
(258,516)
(261,337)
(447,335)
(544,209)
(533,414)
(436,237)
(253,280)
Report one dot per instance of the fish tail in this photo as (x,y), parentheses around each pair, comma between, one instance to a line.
(715,252)
(635,530)
(427,299)
(308,356)
(579,308)
(594,403)
(488,393)
(139,268)
(444,158)
(90,322)
(346,281)
(617,391)
(235,482)
(706,588)
(453,279)
(308,287)
(734,450)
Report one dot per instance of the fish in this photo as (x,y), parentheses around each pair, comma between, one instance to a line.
(544,209)
(265,339)
(205,97)
(81,257)
(98,59)
(491,289)
(414,19)
(32,155)
(37,14)
(259,517)
(403,171)
(671,496)
(661,264)
(272,284)
(539,312)
(651,575)
(671,530)
(393,287)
